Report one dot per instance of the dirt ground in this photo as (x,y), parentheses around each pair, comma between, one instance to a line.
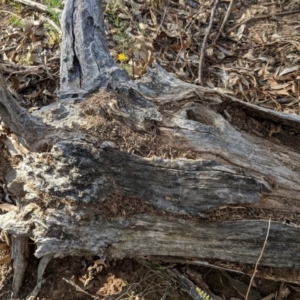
(254,57)
(136,280)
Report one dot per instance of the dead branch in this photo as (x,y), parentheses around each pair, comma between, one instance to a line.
(18,119)
(38,6)
(258,260)
(147,167)
(203,47)
(20,253)
(228,12)
(284,13)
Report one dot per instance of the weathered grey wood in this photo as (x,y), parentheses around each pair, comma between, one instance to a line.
(80,232)
(20,253)
(239,168)
(28,128)
(41,269)
(230,241)
(86,63)
(63,186)
(181,186)
(162,87)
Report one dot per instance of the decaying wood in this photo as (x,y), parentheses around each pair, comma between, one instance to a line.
(150,235)
(73,164)
(28,128)
(41,269)
(20,253)
(86,64)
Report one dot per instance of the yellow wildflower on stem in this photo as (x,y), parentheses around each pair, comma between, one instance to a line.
(122,57)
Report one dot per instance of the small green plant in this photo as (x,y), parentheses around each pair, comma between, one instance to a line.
(156,3)
(25,58)
(17,6)
(54,16)
(123,58)
(54,3)
(202,294)
(113,8)
(15,21)
(52,34)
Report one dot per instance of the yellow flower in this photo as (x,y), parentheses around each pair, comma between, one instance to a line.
(122,57)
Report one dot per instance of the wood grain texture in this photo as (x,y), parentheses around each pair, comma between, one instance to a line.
(19,254)
(71,233)
(28,128)
(86,62)
(60,189)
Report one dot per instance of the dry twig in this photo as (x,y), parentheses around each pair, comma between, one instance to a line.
(284,13)
(52,23)
(79,289)
(8,12)
(162,19)
(258,260)
(37,5)
(202,53)
(41,269)
(228,12)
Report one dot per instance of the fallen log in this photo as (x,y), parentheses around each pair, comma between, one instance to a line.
(152,167)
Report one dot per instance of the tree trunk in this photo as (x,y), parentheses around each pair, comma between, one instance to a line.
(152,167)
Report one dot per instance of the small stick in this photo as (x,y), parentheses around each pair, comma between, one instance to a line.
(8,12)
(181,43)
(38,6)
(44,19)
(228,12)
(52,23)
(202,53)
(79,289)
(284,13)
(258,260)
(163,19)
